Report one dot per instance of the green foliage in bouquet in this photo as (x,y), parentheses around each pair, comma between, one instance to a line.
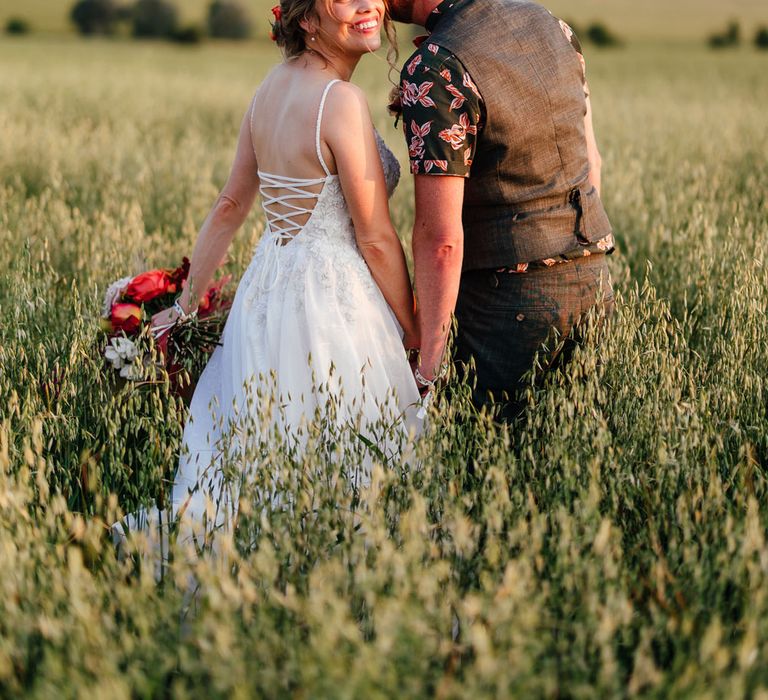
(190,345)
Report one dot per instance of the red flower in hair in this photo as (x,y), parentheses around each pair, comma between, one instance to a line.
(277,13)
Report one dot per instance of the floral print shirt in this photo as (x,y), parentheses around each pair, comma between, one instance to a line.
(443,115)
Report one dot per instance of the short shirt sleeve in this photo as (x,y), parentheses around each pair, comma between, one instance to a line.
(442,112)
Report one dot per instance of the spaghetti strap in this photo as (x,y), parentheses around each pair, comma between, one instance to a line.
(317,126)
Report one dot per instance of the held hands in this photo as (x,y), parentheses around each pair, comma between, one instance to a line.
(427,370)
(426,374)
(425,384)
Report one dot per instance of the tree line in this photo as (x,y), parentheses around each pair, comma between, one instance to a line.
(731,37)
(226,19)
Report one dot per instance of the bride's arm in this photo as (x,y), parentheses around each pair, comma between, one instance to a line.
(347,130)
(593,153)
(225,217)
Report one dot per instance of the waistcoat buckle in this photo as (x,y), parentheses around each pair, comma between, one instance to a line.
(574,199)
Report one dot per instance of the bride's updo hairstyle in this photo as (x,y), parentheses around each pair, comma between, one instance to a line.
(286,29)
(292,39)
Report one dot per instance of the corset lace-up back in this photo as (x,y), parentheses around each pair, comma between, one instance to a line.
(282,195)
(284,224)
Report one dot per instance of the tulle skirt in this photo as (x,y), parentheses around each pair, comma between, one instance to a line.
(310,346)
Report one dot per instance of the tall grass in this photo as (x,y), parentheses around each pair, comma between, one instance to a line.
(612,544)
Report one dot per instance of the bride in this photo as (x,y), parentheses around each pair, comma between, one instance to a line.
(324,313)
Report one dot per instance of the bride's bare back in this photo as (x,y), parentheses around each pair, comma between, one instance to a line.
(283,122)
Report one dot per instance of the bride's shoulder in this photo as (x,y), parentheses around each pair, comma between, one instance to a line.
(346,100)
(277,79)
(272,76)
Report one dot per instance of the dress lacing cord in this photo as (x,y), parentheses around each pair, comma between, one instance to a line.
(282,226)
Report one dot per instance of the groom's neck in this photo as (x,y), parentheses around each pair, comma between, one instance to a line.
(422,9)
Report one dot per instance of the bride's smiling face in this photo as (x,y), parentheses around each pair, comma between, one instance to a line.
(346,26)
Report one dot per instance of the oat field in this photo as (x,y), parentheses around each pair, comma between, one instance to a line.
(613,544)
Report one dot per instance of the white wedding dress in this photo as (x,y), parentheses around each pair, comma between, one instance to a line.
(308,329)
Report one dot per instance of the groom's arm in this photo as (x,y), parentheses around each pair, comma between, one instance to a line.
(438,250)
(442,119)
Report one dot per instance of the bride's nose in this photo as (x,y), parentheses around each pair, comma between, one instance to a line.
(366,6)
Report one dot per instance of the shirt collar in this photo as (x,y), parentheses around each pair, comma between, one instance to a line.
(443,9)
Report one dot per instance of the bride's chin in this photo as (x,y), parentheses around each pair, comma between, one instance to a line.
(370,47)
(361,46)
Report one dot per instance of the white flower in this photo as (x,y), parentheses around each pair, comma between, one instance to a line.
(121,352)
(131,372)
(113,292)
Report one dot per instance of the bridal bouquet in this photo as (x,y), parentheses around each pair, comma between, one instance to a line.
(130,303)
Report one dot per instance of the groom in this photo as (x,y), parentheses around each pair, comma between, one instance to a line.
(509,232)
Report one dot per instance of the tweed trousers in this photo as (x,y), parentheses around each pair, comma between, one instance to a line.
(504,319)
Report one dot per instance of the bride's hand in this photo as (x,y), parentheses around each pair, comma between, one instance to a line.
(163,321)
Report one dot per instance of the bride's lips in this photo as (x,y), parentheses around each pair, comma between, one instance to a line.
(367,27)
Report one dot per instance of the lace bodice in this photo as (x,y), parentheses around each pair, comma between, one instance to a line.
(389,163)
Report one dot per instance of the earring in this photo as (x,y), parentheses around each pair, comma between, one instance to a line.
(312,38)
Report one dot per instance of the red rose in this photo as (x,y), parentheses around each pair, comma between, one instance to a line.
(126,317)
(147,286)
(211,300)
(176,277)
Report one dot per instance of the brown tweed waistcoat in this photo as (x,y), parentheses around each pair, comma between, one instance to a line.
(527,197)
